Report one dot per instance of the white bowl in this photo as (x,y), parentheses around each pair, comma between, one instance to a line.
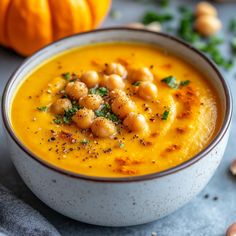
(118,201)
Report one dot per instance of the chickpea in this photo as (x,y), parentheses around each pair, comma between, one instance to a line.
(61,105)
(122,106)
(90,78)
(103,127)
(231,231)
(205,8)
(154,26)
(207,25)
(91,101)
(141,74)
(147,90)
(117,93)
(113,82)
(135,122)
(76,90)
(233,167)
(115,68)
(84,118)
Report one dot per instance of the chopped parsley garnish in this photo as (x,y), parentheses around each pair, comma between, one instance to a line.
(66,76)
(102,91)
(184,83)
(58,120)
(164,3)
(185,28)
(232,26)
(152,16)
(165,115)
(233,45)
(137,83)
(105,111)
(171,82)
(67,117)
(121,145)
(210,46)
(84,142)
(43,108)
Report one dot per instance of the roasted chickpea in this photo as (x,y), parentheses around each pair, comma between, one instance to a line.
(154,26)
(147,90)
(90,78)
(135,122)
(231,231)
(122,106)
(141,74)
(76,90)
(115,68)
(61,105)
(103,127)
(84,118)
(207,25)
(117,93)
(91,101)
(205,8)
(114,82)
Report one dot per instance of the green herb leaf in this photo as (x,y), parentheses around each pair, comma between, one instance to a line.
(233,45)
(58,120)
(137,83)
(171,82)
(184,83)
(121,145)
(105,111)
(43,108)
(164,3)
(102,91)
(84,142)
(66,76)
(67,117)
(232,26)
(152,16)
(165,115)
(69,113)
(228,64)
(185,28)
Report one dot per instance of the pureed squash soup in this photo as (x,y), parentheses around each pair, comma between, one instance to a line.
(115,110)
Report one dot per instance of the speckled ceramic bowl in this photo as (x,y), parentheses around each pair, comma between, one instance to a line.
(121,201)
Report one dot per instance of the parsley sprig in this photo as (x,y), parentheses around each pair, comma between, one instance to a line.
(105,111)
(172,83)
(152,16)
(67,117)
(102,91)
(66,76)
(42,108)
(137,83)
(165,115)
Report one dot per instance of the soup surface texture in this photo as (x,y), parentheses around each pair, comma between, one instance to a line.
(168,113)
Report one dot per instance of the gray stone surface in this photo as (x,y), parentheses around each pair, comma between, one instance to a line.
(201,217)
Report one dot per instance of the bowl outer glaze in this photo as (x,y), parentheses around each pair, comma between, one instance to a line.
(127,201)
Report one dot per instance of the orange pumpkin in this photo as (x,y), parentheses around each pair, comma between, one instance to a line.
(28,25)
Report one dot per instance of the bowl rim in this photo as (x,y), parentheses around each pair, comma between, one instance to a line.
(225,124)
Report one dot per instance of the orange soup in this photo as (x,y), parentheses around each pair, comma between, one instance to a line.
(115,109)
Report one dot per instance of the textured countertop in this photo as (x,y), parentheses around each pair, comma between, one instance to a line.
(201,217)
